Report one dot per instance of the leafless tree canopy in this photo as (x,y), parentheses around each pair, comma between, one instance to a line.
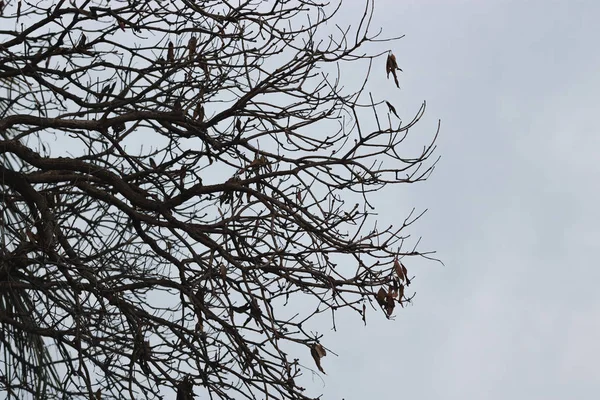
(185,187)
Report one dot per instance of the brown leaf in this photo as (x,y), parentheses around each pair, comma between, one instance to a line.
(122,25)
(401,294)
(152,162)
(192,47)
(388,65)
(199,112)
(317,351)
(32,237)
(98,394)
(381,296)
(391,66)
(82,42)
(223,271)
(390,303)
(364,314)
(171,53)
(392,109)
(398,268)
(185,389)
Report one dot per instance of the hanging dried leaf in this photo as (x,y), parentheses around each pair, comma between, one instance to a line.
(152,162)
(381,297)
(364,314)
(398,269)
(199,112)
(185,389)
(192,47)
(391,66)
(238,125)
(32,237)
(122,25)
(82,42)
(171,53)
(223,271)
(392,109)
(390,303)
(401,294)
(405,275)
(98,394)
(317,351)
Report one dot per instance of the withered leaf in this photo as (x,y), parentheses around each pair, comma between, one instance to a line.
(32,237)
(192,47)
(392,109)
(152,162)
(185,389)
(223,271)
(171,53)
(199,112)
(405,275)
(317,351)
(391,66)
(401,294)
(390,303)
(82,41)
(398,269)
(364,314)
(381,296)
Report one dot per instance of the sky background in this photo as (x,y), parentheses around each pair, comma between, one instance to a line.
(513,209)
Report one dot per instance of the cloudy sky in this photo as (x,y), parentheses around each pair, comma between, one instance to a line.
(513,209)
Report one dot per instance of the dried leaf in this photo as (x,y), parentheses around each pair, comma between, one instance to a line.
(192,47)
(390,303)
(98,394)
(82,42)
(388,65)
(32,237)
(152,162)
(185,389)
(223,271)
(171,53)
(381,296)
(391,66)
(406,275)
(199,112)
(398,268)
(238,125)
(122,25)
(364,314)
(392,109)
(401,294)
(317,351)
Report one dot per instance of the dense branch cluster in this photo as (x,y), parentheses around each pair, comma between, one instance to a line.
(173,174)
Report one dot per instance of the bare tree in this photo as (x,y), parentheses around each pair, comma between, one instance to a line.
(185,187)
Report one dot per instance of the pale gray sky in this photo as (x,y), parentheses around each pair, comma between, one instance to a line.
(512,209)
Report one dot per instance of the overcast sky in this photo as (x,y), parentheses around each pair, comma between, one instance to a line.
(513,209)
